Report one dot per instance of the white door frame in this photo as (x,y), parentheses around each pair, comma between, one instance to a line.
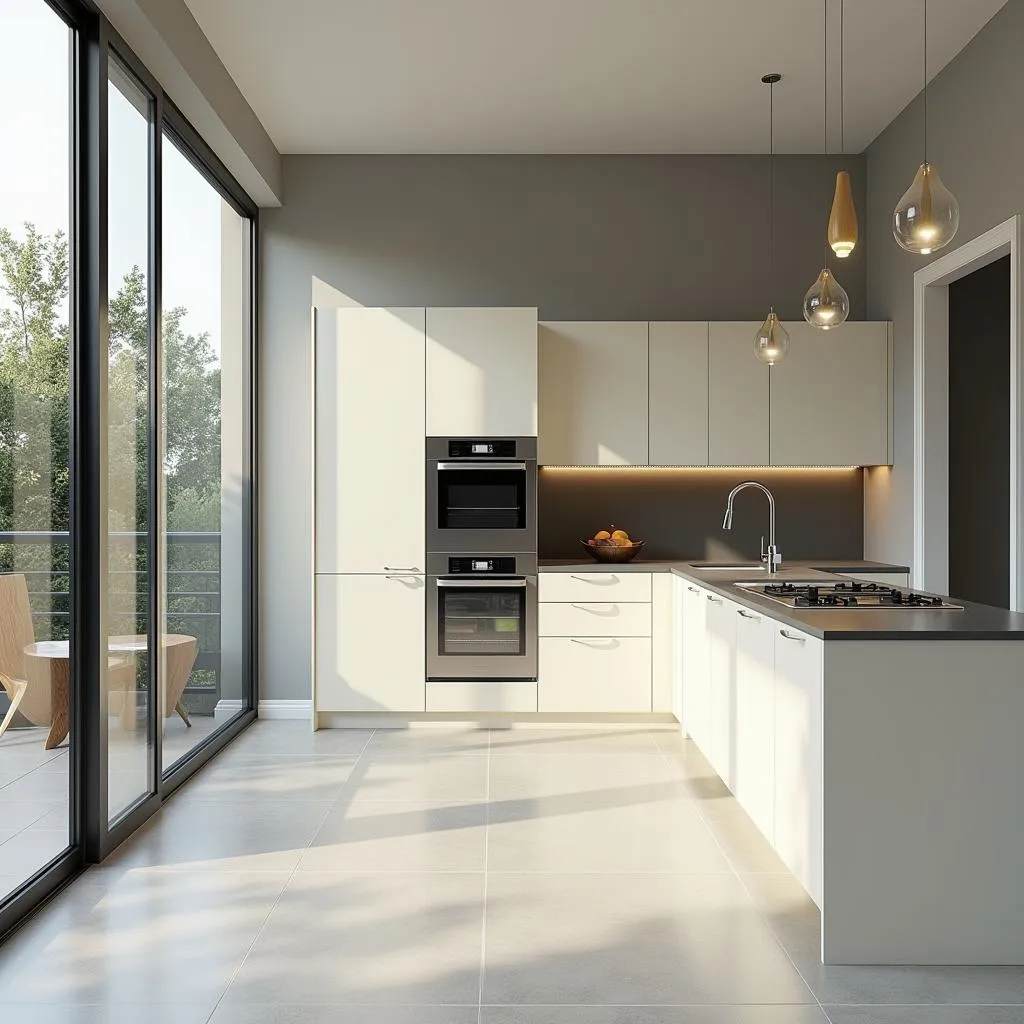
(931,405)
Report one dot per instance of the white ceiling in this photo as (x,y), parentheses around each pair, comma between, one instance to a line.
(575,76)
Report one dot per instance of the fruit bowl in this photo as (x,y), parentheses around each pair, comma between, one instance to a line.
(612,552)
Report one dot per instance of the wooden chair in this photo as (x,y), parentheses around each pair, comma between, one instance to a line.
(16,633)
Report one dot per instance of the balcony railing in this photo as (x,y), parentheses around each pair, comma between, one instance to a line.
(193,596)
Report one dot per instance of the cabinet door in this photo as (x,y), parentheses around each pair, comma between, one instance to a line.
(696,668)
(370,643)
(370,440)
(678,386)
(594,674)
(664,627)
(721,622)
(838,381)
(755,718)
(798,766)
(593,394)
(737,396)
(482,372)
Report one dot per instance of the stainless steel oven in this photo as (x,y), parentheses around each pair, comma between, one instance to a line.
(482,494)
(481,616)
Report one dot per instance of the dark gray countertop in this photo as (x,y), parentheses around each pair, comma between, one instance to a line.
(974,622)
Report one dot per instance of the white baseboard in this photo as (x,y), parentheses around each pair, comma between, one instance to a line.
(294,709)
(226,709)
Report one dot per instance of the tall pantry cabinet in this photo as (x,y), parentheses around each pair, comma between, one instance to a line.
(370,559)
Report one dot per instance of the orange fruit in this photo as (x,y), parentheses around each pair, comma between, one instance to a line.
(602,535)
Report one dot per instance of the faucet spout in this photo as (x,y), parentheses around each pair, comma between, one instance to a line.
(772,556)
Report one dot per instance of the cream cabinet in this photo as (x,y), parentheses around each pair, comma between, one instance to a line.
(369,440)
(798,823)
(664,629)
(755,707)
(593,394)
(738,396)
(481,372)
(830,397)
(370,643)
(594,674)
(594,618)
(721,628)
(678,389)
(695,676)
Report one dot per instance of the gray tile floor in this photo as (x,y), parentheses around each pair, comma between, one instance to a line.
(531,876)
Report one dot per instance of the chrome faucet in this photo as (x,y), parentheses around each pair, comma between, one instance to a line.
(772,556)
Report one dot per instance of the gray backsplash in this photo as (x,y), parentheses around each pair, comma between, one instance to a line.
(678,512)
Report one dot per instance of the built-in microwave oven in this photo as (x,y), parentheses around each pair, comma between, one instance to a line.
(482,494)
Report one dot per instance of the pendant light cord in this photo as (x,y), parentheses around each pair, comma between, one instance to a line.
(771,186)
(926,81)
(824,127)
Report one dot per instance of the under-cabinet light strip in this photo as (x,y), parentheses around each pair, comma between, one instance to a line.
(709,469)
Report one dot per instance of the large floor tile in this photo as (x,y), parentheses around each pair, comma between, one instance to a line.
(291,777)
(268,738)
(452,777)
(429,741)
(631,940)
(400,939)
(215,835)
(548,834)
(397,836)
(147,937)
(924,1014)
(19,814)
(738,836)
(599,739)
(586,781)
(29,850)
(792,1014)
(341,1014)
(106,1013)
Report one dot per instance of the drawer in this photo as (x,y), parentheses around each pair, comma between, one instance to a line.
(598,674)
(512,697)
(594,586)
(594,618)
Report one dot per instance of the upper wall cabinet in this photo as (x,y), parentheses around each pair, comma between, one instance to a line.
(830,397)
(370,451)
(593,393)
(737,396)
(482,372)
(678,389)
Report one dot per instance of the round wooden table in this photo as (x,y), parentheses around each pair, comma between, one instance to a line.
(47,669)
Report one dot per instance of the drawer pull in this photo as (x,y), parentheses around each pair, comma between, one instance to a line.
(610,609)
(400,568)
(748,615)
(792,636)
(693,590)
(611,642)
(713,599)
(608,581)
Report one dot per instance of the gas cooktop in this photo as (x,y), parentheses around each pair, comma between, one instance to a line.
(852,594)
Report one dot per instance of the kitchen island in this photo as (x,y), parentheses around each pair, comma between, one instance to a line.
(878,750)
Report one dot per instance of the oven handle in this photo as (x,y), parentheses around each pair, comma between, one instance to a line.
(472,584)
(519,466)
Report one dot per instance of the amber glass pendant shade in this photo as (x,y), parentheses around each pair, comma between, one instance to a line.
(842,222)
(928,215)
(772,341)
(826,303)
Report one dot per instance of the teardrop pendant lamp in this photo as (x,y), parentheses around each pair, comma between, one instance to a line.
(927,216)
(826,304)
(772,341)
(842,221)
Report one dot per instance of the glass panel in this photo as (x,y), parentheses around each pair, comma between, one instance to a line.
(206,271)
(480,499)
(35,348)
(129,675)
(482,621)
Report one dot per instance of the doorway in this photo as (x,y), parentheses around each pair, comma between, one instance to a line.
(979,435)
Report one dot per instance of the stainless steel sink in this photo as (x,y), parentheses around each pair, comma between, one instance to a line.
(731,566)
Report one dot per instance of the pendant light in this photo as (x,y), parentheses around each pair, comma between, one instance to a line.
(826,304)
(927,216)
(772,341)
(842,222)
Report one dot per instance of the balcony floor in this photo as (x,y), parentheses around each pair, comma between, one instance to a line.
(533,876)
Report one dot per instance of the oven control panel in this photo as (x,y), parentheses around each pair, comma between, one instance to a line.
(501,565)
(477,448)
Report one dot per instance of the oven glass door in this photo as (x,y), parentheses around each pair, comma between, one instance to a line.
(481,497)
(481,617)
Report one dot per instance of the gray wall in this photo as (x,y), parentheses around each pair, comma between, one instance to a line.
(975,140)
(590,238)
